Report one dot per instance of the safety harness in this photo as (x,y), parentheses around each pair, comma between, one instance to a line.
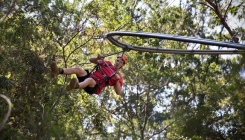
(98,67)
(106,78)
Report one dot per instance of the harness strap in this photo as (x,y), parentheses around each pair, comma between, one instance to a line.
(98,67)
(106,78)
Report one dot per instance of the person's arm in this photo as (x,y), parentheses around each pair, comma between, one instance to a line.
(117,87)
(95,60)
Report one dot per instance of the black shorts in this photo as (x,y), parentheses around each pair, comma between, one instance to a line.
(89,90)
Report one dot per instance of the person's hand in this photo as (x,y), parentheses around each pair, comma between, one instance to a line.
(117,77)
(99,56)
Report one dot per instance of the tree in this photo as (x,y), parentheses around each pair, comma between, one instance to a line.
(164,96)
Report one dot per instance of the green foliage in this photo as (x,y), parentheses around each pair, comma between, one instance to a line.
(164,95)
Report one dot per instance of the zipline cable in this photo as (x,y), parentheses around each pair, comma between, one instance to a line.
(110,37)
(110,54)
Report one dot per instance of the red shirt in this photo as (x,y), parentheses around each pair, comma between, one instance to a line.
(106,70)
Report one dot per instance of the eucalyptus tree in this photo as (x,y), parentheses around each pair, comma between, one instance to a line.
(204,104)
(200,96)
(21,67)
(137,115)
(32,34)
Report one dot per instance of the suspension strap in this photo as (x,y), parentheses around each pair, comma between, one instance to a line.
(96,67)
(110,54)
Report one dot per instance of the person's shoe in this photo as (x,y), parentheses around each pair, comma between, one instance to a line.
(54,69)
(73,84)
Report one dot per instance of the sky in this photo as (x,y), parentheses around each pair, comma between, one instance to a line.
(232,21)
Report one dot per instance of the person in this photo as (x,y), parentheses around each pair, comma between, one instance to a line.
(94,82)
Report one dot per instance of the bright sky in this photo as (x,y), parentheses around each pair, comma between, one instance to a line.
(232,21)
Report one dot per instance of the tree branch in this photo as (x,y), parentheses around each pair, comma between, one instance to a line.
(222,18)
(9,110)
(10,9)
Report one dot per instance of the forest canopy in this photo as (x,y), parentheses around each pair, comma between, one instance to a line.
(165,96)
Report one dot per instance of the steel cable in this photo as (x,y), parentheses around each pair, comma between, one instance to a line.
(110,36)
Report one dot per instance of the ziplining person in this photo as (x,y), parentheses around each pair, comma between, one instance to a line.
(93,82)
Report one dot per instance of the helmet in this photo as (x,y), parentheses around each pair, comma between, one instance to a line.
(124,58)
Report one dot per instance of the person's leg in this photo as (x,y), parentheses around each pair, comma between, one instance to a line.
(90,82)
(74,84)
(55,70)
(78,71)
